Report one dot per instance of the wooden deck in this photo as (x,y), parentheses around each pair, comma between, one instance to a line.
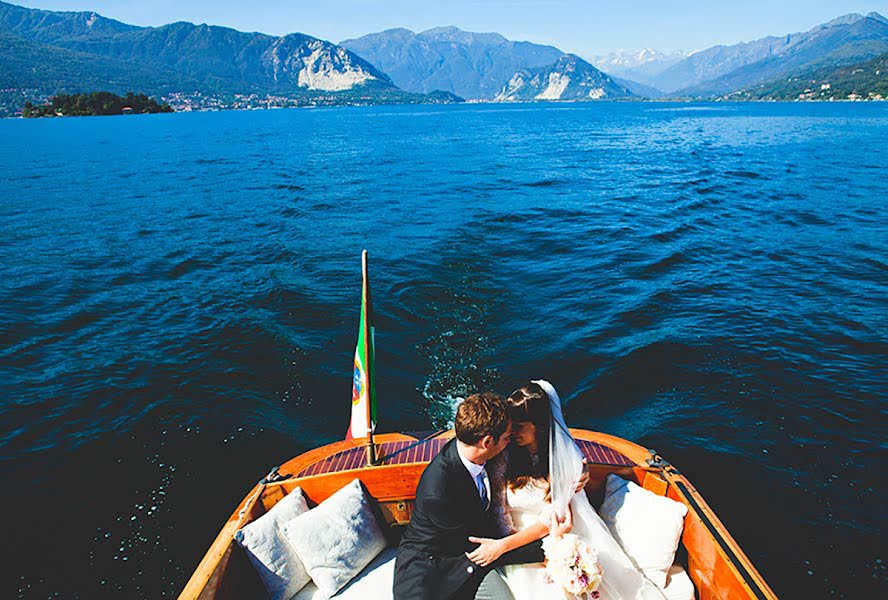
(404,452)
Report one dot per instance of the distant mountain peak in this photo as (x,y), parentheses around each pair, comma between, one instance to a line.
(319,65)
(569,78)
(181,56)
(402,30)
(465,63)
(724,69)
(852,18)
(452,33)
(570,63)
(637,65)
(43,25)
(447,29)
(844,20)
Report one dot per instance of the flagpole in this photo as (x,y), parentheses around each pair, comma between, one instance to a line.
(371,445)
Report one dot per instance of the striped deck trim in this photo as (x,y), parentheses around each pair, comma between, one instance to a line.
(422,451)
(597,454)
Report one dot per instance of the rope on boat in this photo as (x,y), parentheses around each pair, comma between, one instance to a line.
(272,477)
(251,501)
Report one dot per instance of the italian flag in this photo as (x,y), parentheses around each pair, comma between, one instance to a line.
(363,413)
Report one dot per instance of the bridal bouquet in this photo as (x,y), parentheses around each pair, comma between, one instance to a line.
(572,564)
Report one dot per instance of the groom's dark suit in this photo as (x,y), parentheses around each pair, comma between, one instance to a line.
(431,563)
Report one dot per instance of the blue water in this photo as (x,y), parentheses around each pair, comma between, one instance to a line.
(179,299)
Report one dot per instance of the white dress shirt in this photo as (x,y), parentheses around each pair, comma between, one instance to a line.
(478,473)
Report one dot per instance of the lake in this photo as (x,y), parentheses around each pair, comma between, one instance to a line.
(179,300)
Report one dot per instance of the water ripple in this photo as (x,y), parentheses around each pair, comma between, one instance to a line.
(706,280)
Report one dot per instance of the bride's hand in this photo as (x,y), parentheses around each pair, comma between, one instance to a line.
(488,551)
(558,528)
(584,478)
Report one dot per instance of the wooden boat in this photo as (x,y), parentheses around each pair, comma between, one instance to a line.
(713,560)
(716,564)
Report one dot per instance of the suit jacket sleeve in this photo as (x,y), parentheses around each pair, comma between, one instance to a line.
(440,512)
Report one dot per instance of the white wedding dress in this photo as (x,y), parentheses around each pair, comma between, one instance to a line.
(527,505)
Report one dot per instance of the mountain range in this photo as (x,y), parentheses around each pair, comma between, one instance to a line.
(63,51)
(45,52)
(638,66)
(722,69)
(859,81)
(470,65)
(480,65)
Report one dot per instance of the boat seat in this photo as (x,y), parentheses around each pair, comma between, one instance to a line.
(678,584)
(375,582)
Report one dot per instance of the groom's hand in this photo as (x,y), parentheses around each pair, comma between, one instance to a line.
(488,551)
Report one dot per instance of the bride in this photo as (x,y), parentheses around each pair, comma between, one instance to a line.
(536,493)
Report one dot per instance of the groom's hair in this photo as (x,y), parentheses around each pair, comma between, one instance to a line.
(480,415)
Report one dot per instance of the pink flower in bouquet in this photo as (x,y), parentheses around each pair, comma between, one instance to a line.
(573,564)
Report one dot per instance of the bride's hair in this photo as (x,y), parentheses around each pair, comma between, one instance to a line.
(529,403)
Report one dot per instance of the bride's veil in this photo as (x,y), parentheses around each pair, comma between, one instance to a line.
(622,580)
(565,458)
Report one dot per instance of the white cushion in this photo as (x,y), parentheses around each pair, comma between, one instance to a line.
(336,540)
(678,584)
(277,564)
(373,583)
(647,526)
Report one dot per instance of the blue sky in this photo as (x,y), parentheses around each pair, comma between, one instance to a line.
(583,27)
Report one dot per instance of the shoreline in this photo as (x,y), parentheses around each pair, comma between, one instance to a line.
(472,102)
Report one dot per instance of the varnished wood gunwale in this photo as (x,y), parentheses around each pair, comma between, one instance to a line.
(717,560)
(716,564)
(208,575)
(715,574)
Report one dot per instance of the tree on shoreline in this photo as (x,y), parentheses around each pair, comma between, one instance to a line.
(95,104)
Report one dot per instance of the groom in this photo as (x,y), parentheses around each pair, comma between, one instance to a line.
(452,503)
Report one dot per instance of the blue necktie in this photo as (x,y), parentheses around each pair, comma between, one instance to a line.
(485,501)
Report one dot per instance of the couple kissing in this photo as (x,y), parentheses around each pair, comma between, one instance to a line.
(512,476)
